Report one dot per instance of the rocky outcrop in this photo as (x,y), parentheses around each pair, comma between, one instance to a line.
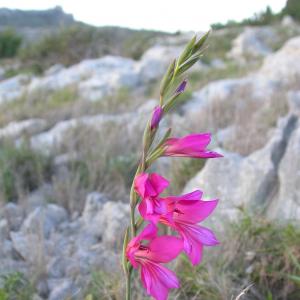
(29,127)
(68,249)
(13,88)
(55,136)
(155,61)
(54,17)
(253,42)
(261,182)
(96,78)
(284,65)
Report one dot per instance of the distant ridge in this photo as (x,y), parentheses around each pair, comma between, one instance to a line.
(17,18)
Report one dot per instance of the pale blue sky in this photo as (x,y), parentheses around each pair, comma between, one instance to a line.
(168,15)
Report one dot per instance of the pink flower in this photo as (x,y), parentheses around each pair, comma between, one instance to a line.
(184,212)
(181,213)
(193,145)
(156,279)
(156,117)
(149,187)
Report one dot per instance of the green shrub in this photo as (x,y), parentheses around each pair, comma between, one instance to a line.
(292,8)
(266,17)
(10,43)
(21,170)
(15,286)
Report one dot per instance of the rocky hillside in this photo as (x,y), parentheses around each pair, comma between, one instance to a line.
(32,19)
(69,146)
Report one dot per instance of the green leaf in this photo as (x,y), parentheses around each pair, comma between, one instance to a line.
(125,243)
(187,51)
(294,278)
(201,42)
(165,137)
(167,78)
(189,63)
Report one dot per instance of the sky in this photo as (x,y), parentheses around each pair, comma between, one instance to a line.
(167,15)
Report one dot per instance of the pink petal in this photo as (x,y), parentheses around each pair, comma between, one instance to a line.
(164,248)
(157,280)
(193,145)
(193,196)
(159,182)
(189,142)
(194,238)
(194,211)
(148,233)
(149,185)
(151,209)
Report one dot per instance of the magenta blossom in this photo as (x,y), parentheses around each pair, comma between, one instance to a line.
(149,187)
(183,214)
(156,117)
(193,145)
(156,279)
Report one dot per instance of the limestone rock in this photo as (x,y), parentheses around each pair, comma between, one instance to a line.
(253,42)
(27,127)
(43,220)
(13,88)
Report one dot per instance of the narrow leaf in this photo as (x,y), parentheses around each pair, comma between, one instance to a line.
(167,78)
(187,51)
(201,42)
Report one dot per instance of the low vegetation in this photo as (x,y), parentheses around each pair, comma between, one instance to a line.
(10,43)
(258,257)
(22,170)
(84,42)
(15,286)
(256,253)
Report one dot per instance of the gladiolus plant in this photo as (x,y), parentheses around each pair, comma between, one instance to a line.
(144,249)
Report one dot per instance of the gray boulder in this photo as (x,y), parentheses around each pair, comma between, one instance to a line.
(284,65)
(14,215)
(44,220)
(155,60)
(286,205)
(63,290)
(107,223)
(246,182)
(27,127)
(253,42)
(13,88)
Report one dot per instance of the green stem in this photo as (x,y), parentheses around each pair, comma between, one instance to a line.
(128,286)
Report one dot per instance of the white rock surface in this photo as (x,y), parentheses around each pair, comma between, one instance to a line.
(44,220)
(253,42)
(249,182)
(13,88)
(286,205)
(284,65)
(27,127)
(51,139)
(96,77)
(155,60)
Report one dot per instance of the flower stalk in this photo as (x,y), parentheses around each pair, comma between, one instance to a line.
(146,188)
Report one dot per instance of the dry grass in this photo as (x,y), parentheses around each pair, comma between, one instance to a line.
(66,104)
(103,162)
